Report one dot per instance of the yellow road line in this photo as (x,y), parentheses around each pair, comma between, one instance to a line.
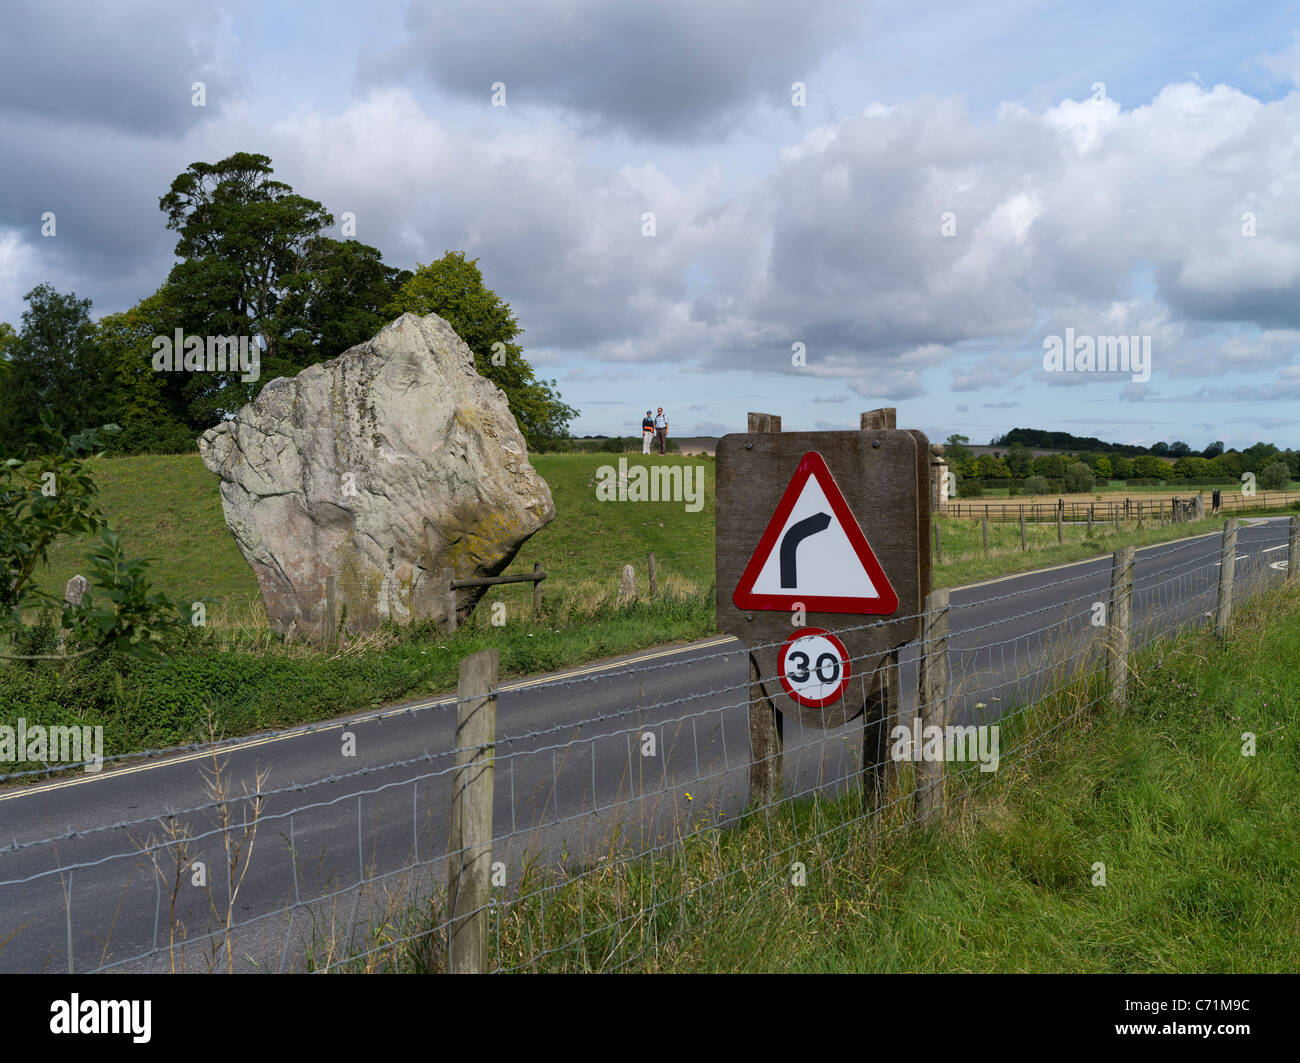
(253,743)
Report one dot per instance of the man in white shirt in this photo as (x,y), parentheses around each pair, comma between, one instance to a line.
(661,430)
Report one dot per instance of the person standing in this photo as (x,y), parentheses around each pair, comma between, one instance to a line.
(661,430)
(647,432)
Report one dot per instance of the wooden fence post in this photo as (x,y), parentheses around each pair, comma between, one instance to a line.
(933,691)
(1089,535)
(879,718)
(449,597)
(1120,623)
(469,851)
(1022,528)
(1293,549)
(331,615)
(1060,531)
(653,570)
(938,543)
(984,524)
(1139,516)
(537,590)
(765,737)
(1227,570)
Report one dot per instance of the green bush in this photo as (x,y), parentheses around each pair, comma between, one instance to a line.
(1079,478)
(1036,485)
(1275,477)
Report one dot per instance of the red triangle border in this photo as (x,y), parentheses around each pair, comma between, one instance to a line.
(813,464)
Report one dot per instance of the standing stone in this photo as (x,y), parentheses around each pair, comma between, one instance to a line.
(76,590)
(627,585)
(382,467)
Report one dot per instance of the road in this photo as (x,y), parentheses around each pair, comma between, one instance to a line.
(90,880)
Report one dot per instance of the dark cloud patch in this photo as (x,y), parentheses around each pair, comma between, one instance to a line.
(676,70)
(126,66)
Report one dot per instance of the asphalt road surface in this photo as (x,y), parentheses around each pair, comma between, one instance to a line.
(89,877)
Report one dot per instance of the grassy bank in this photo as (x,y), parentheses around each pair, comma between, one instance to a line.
(1201,858)
(168,508)
(964,559)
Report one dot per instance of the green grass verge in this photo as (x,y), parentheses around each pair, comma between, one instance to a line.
(964,560)
(168,508)
(1201,856)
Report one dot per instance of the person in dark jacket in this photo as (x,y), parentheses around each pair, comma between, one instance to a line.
(647,432)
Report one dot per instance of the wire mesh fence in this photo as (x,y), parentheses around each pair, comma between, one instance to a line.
(603,821)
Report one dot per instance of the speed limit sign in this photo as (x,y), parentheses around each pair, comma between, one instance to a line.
(814,667)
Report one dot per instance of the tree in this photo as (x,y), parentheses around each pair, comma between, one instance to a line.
(453,288)
(149,406)
(1213,450)
(1050,466)
(1102,468)
(1227,466)
(1149,467)
(990,468)
(1036,485)
(1275,477)
(1078,478)
(53,366)
(8,338)
(1160,449)
(1018,460)
(1255,459)
(245,244)
(1121,468)
(339,299)
(1179,449)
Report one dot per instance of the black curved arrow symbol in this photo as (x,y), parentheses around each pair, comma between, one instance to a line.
(790,541)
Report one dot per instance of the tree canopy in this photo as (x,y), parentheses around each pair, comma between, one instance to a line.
(453,288)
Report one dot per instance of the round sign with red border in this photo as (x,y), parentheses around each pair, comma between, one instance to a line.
(814,667)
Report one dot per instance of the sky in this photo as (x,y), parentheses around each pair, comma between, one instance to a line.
(718,206)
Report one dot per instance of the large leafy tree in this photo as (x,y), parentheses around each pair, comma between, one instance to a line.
(338,299)
(53,366)
(150,407)
(453,288)
(255,262)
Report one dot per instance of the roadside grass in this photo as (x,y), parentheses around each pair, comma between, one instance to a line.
(964,559)
(168,508)
(143,705)
(1112,487)
(1201,859)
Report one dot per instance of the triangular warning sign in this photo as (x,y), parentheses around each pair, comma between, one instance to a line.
(814,552)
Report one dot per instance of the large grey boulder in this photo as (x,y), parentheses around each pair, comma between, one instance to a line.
(380,467)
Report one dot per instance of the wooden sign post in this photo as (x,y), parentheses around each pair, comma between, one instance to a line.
(828,532)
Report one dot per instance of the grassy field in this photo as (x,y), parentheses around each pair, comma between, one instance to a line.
(168,508)
(1113,487)
(1201,858)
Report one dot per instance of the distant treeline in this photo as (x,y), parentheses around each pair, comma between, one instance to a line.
(1041,439)
(1083,468)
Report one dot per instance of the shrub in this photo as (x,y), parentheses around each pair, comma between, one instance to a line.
(1036,485)
(1079,478)
(970,489)
(1275,477)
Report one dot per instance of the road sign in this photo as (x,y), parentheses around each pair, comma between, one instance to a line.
(881,476)
(814,667)
(814,553)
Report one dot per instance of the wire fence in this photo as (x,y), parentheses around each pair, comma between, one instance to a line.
(596,821)
(1171,507)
